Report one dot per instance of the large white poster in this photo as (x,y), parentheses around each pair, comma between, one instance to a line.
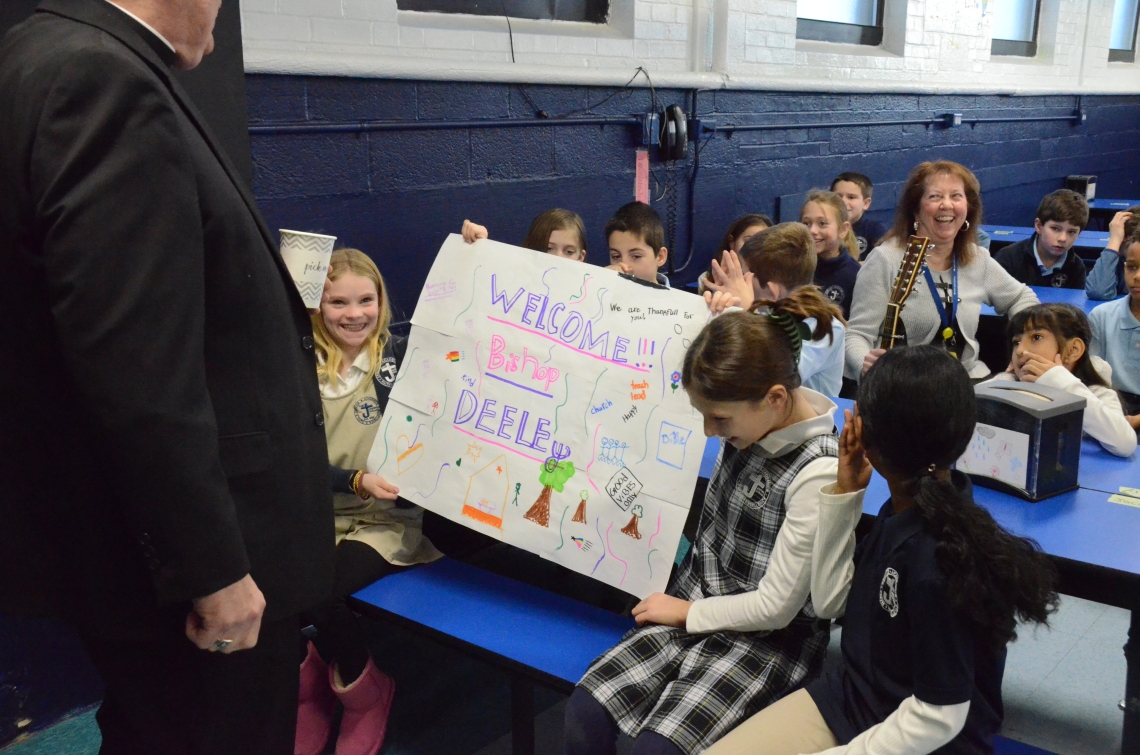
(540,402)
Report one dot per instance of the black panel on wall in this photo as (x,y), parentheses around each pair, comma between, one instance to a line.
(217,86)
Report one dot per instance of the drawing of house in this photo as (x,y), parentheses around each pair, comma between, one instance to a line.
(487,491)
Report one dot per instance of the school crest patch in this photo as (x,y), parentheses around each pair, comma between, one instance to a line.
(835,294)
(889,592)
(1058,280)
(367,411)
(387,372)
(758,491)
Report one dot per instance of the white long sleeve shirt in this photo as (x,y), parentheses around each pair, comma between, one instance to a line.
(786,585)
(1104,419)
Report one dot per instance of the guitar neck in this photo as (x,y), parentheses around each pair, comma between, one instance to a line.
(891,332)
(888,331)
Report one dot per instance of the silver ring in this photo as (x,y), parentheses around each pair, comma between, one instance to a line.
(222,645)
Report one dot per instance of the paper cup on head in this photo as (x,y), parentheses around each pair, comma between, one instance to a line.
(307,257)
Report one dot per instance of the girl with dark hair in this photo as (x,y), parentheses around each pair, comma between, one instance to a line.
(932,595)
(735,630)
(742,229)
(941,201)
(1051,347)
(556,231)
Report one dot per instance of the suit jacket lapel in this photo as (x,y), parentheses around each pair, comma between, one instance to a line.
(98,13)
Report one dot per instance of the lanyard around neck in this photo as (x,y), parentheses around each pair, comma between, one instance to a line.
(946,317)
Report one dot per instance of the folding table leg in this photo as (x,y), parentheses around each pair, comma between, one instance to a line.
(522,716)
(1130,740)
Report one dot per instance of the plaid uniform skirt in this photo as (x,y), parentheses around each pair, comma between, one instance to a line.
(693,689)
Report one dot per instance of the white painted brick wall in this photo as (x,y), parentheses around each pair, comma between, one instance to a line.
(946,46)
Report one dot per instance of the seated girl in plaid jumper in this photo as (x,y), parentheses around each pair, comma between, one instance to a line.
(735,631)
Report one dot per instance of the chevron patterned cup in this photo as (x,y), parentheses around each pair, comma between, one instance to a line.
(307,257)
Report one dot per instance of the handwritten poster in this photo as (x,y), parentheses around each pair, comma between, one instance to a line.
(997,453)
(540,402)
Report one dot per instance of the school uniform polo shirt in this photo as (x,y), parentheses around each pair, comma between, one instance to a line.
(867,234)
(1023,261)
(1116,340)
(836,277)
(903,637)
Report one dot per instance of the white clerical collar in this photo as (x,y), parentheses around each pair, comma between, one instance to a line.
(147,26)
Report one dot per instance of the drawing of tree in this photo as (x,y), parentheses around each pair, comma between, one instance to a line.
(631,528)
(580,512)
(554,475)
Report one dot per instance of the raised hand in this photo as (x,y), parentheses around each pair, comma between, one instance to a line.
(719,301)
(1116,230)
(854,466)
(728,275)
(472,232)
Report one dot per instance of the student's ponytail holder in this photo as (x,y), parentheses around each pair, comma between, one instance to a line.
(796,329)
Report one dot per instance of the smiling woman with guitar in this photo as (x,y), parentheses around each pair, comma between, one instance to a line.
(943,293)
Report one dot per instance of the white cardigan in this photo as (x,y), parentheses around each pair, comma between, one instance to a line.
(983,281)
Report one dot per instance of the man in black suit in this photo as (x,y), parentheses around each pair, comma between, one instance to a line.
(163,470)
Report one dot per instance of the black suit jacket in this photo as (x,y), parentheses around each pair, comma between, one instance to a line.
(160,422)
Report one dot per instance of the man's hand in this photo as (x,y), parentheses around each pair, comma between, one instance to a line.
(377,487)
(472,232)
(872,357)
(854,467)
(662,609)
(232,613)
(731,278)
(1134,420)
(1116,230)
(620,267)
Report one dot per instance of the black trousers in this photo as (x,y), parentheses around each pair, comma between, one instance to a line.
(340,638)
(167,697)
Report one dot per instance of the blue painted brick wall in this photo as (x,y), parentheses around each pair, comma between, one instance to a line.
(397,194)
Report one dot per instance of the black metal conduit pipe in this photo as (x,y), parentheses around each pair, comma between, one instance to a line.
(277,129)
(933,121)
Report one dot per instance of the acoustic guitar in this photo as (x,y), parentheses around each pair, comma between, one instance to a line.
(892,332)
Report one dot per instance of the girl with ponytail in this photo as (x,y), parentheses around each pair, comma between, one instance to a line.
(933,593)
(735,630)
